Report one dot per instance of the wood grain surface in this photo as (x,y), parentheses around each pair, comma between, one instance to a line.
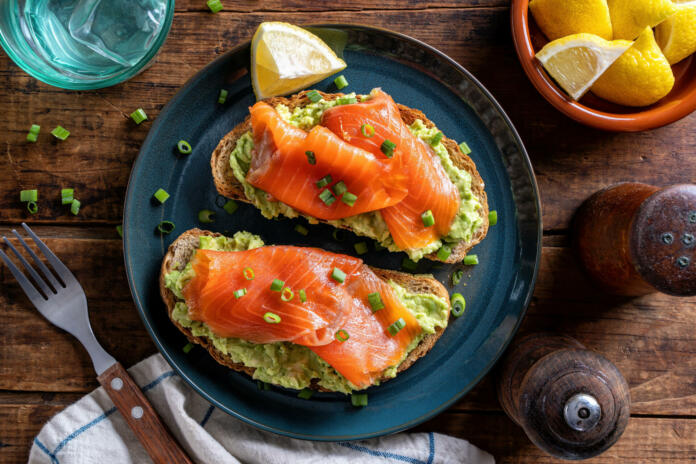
(42,369)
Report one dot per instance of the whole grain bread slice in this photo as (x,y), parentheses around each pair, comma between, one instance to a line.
(227,185)
(181,250)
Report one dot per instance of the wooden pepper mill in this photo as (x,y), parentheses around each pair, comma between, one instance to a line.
(634,239)
(571,402)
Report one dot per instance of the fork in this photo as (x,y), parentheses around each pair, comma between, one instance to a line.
(60,298)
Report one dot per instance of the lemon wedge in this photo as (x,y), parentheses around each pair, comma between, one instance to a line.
(559,18)
(640,77)
(677,34)
(577,61)
(286,58)
(630,17)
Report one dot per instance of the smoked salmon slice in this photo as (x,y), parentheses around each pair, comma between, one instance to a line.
(429,186)
(213,296)
(281,167)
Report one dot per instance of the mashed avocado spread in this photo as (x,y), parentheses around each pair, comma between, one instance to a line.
(284,363)
(371,224)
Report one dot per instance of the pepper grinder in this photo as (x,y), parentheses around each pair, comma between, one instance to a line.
(634,239)
(571,402)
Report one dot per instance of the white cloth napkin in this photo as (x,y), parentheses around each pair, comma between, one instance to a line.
(91,431)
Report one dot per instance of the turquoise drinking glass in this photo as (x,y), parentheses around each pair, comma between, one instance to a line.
(84,44)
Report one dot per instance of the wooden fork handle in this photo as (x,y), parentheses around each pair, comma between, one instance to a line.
(141,417)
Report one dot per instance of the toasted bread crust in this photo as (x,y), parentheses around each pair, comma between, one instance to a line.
(182,248)
(228,186)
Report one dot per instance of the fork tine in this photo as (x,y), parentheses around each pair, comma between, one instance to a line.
(39,263)
(26,285)
(38,280)
(62,271)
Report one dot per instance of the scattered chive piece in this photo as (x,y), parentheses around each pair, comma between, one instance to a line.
(324,181)
(314,96)
(457,276)
(287,294)
(349,198)
(60,133)
(75,207)
(271,318)
(161,195)
(303,295)
(338,275)
(230,206)
(311,159)
(326,197)
(388,148)
(32,207)
(166,227)
(492,218)
(346,100)
(138,116)
(222,98)
(337,235)
(396,326)
(360,248)
(248,273)
(339,188)
(428,219)
(458,304)
(375,300)
(240,293)
(205,216)
(444,252)
(367,130)
(341,82)
(29,195)
(187,348)
(33,134)
(471,260)
(35,129)
(277,285)
(409,264)
(119,230)
(305,394)
(184,147)
(32,137)
(379,247)
(464,148)
(435,139)
(341,335)
(67,196)
(214,5)
(358,399)
(302,230)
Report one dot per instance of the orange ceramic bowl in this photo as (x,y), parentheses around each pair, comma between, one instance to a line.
(591,110)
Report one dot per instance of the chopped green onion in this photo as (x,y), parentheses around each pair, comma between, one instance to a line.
(119,230)
(32,207)
(338,235)
(444,252)
(435,139)
(388,148)
(263,385)
(60,133)
(349,198)
(29,195)
(214,5)
(277,285)
(379,247)
(287,294)
(67,196)
(240,293)
(184,147)
(428,218)
(346,100)
(314,96)
(409,264)
(303,295)
(138,116)
(339,188)
(305,394)
(464,148)
(205,216)
(75,207)
(396,327)
(358,399)
(187,348)
(326,197)
(458,304)
(375,300)
(338,275)
(324,181)
(230,206)
(360,248)
(341,335)
(341,82)
(367,130)
(271,318)
(302,230)
(471,260)
(33,134)
(222,98)
(457,276)
(492,218)
(31,137)
(166,227)
(311,159)
(161,195)
(248,273)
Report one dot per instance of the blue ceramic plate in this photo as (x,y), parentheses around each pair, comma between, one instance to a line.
(497,291)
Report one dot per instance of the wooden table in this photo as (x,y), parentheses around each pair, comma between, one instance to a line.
(42,369)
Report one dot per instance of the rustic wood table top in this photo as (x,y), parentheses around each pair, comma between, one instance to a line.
(42,369)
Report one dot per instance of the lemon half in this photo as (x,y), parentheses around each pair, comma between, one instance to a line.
(559,18)
(677,34)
